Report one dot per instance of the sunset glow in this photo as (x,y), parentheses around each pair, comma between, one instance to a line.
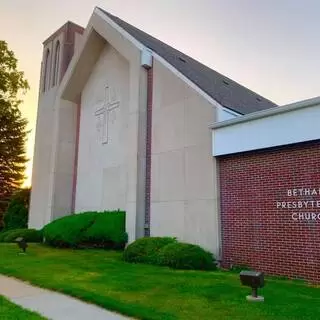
(256,43)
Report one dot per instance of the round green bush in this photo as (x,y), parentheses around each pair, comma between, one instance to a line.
(186,256)
(30,235)
(145,250)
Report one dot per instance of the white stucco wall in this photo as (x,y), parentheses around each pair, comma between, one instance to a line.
(78,42)
(39,213)
(109,176)
(183,192)
(292,126)
(102,171)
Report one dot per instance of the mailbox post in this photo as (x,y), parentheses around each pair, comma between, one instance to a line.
(254,280)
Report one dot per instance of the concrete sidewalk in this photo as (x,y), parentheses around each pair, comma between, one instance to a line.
(52,305)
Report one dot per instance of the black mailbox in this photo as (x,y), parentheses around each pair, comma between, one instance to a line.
(252,279)
(22,244)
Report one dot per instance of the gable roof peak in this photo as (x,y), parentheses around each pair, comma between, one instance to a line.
(225,91)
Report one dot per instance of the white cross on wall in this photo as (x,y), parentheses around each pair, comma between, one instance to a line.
(104,114)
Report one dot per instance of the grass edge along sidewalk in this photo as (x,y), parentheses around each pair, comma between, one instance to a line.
(154,293)
(12,311)
(51,304)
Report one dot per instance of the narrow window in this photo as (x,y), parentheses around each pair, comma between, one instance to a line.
(56,64)
(46,70)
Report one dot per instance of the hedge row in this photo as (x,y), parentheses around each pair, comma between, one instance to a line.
(169,252)
(107,230)
(88,230)
(85,230)
(30,235)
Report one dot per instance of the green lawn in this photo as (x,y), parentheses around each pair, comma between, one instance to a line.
(10,311)
(150,292)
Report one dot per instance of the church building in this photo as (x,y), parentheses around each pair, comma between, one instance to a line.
(127,122)
(124,123)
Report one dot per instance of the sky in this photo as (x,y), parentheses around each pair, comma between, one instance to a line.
(269,46)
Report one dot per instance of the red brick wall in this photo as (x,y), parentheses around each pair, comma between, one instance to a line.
(257,234)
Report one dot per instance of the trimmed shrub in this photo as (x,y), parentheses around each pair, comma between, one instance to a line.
(16,216)
(186,256)
(145,250)
(67,231)
(30,235)
(88,230)
(108,231)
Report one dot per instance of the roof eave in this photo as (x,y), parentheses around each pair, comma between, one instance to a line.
(268,112)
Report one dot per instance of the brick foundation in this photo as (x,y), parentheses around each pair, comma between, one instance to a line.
(258,234)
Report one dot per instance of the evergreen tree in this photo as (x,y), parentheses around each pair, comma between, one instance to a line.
(16,216)
(13,127)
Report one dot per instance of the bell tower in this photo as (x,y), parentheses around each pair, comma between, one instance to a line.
(58,51)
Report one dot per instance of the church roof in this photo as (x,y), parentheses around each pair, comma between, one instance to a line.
(225,91)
